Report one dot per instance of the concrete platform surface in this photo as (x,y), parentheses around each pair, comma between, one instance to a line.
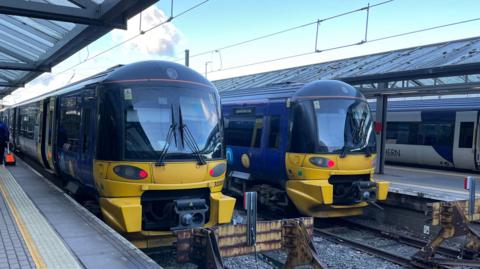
(42,227)
(430,183)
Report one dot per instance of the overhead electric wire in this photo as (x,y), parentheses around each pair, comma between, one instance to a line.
(348,45)
(286,30)
(135,36)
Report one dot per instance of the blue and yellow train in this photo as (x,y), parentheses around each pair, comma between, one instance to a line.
(310,144)
(144,139)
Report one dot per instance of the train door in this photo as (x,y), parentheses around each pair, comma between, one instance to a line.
(49,111)
(274,149)
(40,140)
(477,143)
(88,124)
(16,136)
(243,131)
(463,142)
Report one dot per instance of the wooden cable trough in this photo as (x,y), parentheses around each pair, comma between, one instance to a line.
(208,247)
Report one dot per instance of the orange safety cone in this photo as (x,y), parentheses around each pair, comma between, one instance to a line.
(9,158)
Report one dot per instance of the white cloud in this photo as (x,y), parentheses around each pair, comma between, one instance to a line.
(159,42)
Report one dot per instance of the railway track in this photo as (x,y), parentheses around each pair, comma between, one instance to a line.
(447,254)
(398,259)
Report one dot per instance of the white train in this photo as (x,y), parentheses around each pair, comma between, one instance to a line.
(437,132)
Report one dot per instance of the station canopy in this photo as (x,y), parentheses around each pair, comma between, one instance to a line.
(444,68)
(38,34)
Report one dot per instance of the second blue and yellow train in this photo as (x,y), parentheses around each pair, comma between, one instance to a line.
(309,147)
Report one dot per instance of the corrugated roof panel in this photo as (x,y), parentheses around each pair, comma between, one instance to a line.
(38,34)
(442,55)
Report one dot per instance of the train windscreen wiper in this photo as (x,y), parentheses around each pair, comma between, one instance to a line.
(170,134)
(189,139)
(344,150)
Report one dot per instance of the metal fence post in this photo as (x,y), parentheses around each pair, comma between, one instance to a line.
(250,205)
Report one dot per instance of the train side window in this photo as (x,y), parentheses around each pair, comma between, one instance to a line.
(257,132)
(70,119)
(402,133)
(466,135)
(274,134)
(243,131)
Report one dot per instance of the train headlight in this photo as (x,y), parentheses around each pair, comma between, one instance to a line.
(218,170)
(322,162)
(130,172)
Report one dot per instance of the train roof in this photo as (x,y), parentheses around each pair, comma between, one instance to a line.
(272,91)
(432,104)
(296,91)
(168,72)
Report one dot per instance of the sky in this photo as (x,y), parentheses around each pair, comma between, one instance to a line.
(217,24)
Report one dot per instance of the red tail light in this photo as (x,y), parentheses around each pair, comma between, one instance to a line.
(142,174)
(330,163)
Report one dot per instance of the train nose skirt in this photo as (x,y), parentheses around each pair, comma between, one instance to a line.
(349,190)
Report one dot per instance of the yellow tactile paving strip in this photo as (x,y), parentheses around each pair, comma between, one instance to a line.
(45,246)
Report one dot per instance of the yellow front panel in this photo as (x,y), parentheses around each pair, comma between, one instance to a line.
(121,198)
(312,194)
(123,214)
(299,166)
(221,207)
(183,172)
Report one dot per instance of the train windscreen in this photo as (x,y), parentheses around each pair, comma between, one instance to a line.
(156,121)
(152,112)
(333,126)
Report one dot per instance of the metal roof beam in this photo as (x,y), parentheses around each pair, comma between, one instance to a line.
(13,52)
(6,78)
(23,67)
(87,16)
(7,84)
(83,3)
(32,50)
(29,29)
(25,38)
(459,88)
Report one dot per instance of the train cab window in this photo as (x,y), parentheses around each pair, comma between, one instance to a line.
(274,134)
(466,135)
(70,119)
(243,131)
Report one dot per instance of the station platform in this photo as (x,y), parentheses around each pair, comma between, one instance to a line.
(427,183)
(42,227)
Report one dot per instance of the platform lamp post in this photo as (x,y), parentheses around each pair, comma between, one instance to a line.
(206,67)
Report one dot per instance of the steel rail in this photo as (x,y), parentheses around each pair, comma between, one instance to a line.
(400,260)
(405,239)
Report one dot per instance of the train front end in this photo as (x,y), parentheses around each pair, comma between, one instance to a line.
(331,157)
(160,161)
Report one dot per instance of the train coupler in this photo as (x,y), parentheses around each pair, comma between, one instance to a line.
(191,213)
